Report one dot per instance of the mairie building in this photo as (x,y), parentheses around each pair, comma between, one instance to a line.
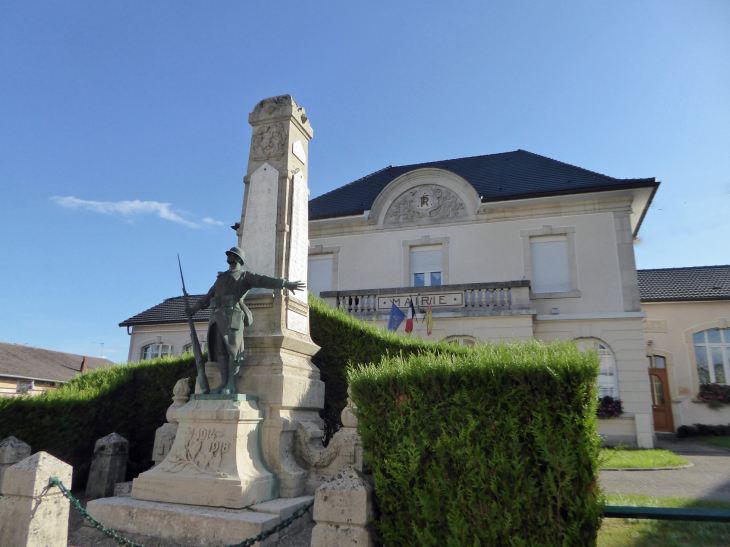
(513,246)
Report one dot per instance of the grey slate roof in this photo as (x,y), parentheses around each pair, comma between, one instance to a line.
(682,284)
(172,310)
(495,177)
(44,364)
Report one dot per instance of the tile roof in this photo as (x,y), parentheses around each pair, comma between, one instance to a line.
(678,284)
(495,177)
(44,364)
(172,310)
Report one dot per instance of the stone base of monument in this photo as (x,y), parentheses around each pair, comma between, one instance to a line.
(197,525)
(216,459)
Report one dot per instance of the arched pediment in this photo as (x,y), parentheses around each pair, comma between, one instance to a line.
(425,196)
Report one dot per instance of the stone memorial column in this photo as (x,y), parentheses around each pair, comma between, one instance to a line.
(273,233)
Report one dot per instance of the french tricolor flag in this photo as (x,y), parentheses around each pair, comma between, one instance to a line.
(410,314)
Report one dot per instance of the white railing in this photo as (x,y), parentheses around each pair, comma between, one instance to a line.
(488,297)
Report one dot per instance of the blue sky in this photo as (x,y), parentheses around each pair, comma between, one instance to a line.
(124,134)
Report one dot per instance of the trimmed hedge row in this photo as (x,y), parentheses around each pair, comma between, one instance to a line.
(127,399)
(344,340)
(495,446)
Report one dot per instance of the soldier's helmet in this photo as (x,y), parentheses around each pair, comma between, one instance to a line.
(237,251)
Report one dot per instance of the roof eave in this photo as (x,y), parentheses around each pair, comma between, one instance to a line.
(587,190)
(687,299)
(129,323)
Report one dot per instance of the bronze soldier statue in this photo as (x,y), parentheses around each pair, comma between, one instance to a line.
(229,315)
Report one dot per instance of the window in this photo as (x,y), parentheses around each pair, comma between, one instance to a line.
(188,348)
(607,377)
(156,350)
(426,261)
(657,361)
(461,340)
(551,262)
(426,265)
(319,274)
(550,270)
(25,386)
(712,352)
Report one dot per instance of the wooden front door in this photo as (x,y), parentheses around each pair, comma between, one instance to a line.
(661,402)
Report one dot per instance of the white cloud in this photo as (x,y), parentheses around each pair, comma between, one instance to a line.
(209,220)
(124,208)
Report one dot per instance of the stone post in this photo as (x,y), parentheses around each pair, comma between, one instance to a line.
(273,233)
(12,450)
(343,511)
(108,466)
(31,513)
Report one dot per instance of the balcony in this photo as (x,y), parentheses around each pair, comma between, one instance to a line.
(464,300)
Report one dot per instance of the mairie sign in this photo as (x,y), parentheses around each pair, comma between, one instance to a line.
(421,300)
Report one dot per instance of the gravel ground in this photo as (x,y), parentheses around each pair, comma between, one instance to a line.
(708,479)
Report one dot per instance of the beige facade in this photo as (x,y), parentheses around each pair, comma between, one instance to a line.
(485,247)
(175,336)
(669,330)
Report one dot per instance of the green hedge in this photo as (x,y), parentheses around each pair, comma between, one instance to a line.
(127,399)
(344,340)
(497,446)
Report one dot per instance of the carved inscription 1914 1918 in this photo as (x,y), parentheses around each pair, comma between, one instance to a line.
(202,452)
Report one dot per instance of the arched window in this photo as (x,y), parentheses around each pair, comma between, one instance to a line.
(607,375)
(188,348)
(712,351)
(156,350)
(461,340)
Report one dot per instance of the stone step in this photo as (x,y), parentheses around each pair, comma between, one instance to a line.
(197,525)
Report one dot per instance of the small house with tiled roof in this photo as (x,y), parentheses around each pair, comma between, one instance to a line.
(25,370)
(687,332)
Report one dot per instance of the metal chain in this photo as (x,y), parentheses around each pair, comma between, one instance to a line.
(98,525)
(129,543)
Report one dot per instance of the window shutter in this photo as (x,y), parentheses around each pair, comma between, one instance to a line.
(319,275)
(428,258)
(550,269)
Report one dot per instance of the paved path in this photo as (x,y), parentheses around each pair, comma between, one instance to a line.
(708,479)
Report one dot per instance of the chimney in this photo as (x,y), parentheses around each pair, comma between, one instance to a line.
(83,365)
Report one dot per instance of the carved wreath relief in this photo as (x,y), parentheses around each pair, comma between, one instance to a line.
(203,452)
(425,202)
(269,141)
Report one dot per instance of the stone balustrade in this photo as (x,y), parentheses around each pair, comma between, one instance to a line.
(486,297)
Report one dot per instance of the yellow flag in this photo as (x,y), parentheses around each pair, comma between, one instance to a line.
(429,320)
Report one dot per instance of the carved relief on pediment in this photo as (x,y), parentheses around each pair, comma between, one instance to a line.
(269,141)
(425,202)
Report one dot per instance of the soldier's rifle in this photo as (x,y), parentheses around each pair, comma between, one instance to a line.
(199,363)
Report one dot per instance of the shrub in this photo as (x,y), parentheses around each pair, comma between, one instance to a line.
(493,446)
(684,431)
(127,399)
(608,407)
(344,340)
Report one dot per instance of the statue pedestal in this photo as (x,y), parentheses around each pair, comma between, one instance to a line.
(216,459)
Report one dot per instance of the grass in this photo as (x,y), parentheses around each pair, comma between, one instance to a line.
(662,533)
(625,458)
(717,441)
